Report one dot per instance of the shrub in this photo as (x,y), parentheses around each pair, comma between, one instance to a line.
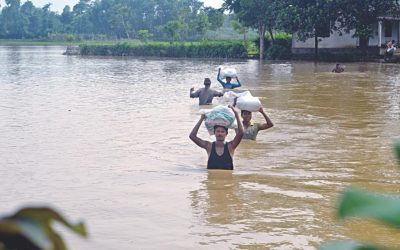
(31,229)
(159,49)
(363,204)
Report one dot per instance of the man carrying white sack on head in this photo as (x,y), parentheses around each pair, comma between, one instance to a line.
(248,103)
(220,153)
(228,74)
(250,129)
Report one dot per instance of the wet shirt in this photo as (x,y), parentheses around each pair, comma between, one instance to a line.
(205,95)
(250,133)
(220,162)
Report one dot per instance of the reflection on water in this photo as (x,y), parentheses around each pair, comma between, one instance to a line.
(106,139)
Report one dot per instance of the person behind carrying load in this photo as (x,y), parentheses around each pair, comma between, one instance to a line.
(228,84)
(220,153)
(205,94)
(251,129)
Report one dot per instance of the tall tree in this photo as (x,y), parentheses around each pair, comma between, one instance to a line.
(309,19)
(119,17)
(11,20)
(215,17)
(201,25)
(81,22)
(31,19)
(66,18)
(240,28)
(174,29)
(258,14)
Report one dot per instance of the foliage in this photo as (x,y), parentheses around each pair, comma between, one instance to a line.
(240,28)
(355,202)
(162,49)
(258,14)
(70,38)
(228,33)
(144,35)
(31,229)
(122,19)
(309,18)
(277,51)
(397,151)
(215,17)
(281,48)
(174,29)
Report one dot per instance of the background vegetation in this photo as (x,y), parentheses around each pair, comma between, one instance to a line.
(189,20)
(163,49)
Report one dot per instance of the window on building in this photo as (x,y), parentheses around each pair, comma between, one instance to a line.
(388,29)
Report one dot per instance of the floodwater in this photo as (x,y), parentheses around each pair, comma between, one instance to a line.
(105,140)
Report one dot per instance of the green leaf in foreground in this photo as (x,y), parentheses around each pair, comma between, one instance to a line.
(358,203)
(31,228)
(348,245)
(397,151)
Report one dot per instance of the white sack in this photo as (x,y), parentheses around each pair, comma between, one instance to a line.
(228,72)
(248,102)
(222,116)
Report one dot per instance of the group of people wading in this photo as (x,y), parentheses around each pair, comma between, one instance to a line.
(220,153)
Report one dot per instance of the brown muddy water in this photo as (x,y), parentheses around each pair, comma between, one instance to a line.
(105,140)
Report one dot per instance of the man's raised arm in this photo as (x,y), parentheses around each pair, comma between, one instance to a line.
(193,135)
(240,132)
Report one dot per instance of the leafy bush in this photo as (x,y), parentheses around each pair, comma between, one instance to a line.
(363,204)
(159,49)
(281,48)
(277,51)
(31,229)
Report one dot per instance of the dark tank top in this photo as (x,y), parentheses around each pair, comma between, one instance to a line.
(220,162)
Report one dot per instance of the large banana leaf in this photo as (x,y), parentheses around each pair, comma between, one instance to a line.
(358,203)
(348,245)
(397,150)
(31,229)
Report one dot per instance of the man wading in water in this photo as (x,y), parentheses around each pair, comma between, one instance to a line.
(219,152)
(205,94)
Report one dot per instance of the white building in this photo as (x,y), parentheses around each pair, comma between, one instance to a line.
(385,30)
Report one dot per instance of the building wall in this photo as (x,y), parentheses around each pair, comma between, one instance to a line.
(374,41)
(346,42)
(334,41)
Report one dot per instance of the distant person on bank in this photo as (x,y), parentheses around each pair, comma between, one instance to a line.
(220,153)
(251,129)
(338,68)
(205,94)
(228,84)
(391,47)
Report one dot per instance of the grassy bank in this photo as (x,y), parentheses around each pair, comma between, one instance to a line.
(165,49)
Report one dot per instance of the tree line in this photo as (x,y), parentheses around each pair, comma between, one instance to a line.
(189,20)
(120,19)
